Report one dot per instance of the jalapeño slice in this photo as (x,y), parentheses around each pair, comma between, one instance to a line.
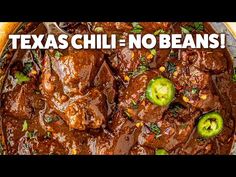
(210,125)
(160,91)
(161,152)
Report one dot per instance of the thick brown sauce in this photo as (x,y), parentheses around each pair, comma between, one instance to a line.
(76,104)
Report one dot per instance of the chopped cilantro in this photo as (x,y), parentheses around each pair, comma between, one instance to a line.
(49,119)
(48,135)
(153,52)
(36,58)
(58,55)
(160,31)
(24,126)
(171,67)
(21,77)
(140,70)
(234,76)
(27,68)
(128,115)
(198,26)
(143,60)
(134,105)
(31,134)
(161,152)
(174,109)
(137,28)
(186,29)
(195,90)
(155,129)
(98,29)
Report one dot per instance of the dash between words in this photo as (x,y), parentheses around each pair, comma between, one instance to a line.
(103,41)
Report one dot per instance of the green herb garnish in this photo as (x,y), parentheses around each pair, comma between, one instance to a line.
(143,60)
(153,52)
(175,110)
(234,76)
(140,70)
(36,58)
(21,77)
(195,90)
(142,97)
(160,31)
(31,134)
(48,135)
(134,105)
(155,129)
(161,152)
(98,29)
(171,67)
(137,28)
(58,55)
(198,26)
(27,68)
(24,126)
(186,29)
(128,115)
(49,119)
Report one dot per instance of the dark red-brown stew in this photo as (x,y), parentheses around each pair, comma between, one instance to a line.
(94,102)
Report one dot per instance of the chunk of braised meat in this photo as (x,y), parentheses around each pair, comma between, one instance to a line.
(133,102)
(168,133)
(89,111)
(141,150)
(30,141)
(22,102)
(117,139)
(106,82)
(131,62)
(206,60)
(126,61)
(194,83)
(76,71)
(66,85)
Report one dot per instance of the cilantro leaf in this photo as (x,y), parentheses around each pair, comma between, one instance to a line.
(99,29)
(155,129)
(58,55)
(21,77)
(137,28)
(198,26)
(186,29)
(160,31)
(153,52)
(24,126)
(171,67)
(27,67)
(234,75)
(140,70)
